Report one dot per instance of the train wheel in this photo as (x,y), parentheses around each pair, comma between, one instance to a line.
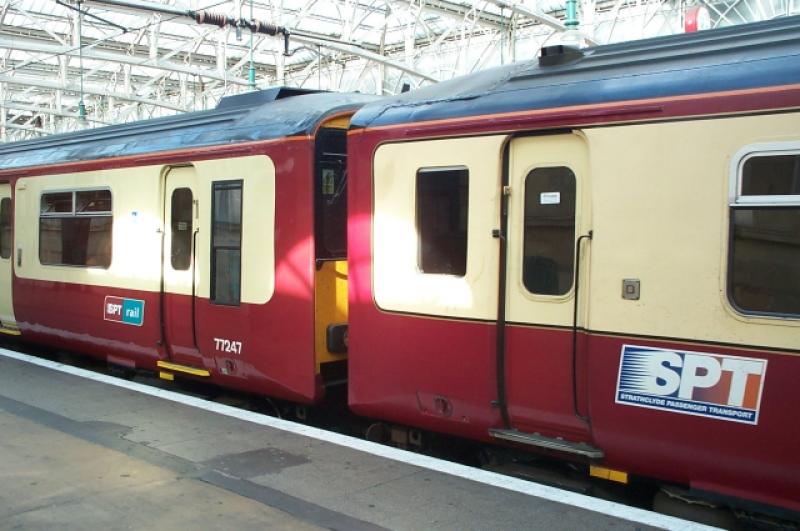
(377,432)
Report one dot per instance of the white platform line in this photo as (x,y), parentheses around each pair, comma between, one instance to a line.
(530,488)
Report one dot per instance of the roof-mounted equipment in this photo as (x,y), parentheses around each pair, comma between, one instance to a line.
(259,97)
(559,54)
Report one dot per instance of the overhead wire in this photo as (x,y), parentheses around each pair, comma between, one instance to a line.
(90,15)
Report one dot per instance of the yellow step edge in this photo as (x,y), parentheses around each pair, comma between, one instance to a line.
(166,376)
(609,474)
(10,331)
(182,368)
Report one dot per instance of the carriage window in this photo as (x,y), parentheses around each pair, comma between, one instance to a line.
(181,251)
(226,242)
(5,228)
(75,228)
(442,208)
(763,275)
(549,248)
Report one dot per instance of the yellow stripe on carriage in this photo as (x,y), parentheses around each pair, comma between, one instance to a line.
(182,368)
(609,474)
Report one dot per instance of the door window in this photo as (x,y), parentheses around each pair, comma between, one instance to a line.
(226,242)
(548,262)
(5,227)
(181,251)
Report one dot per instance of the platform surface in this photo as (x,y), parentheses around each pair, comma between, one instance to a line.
(80,454)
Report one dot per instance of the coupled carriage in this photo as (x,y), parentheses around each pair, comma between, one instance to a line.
(593,255)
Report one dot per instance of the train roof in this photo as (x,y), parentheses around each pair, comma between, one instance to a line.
(262,115)
(738,57)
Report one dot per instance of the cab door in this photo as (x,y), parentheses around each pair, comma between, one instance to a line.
(181,275)
(8,324)
(547,178)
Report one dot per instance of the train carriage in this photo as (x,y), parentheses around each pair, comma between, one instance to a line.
(209,245)
(594,254)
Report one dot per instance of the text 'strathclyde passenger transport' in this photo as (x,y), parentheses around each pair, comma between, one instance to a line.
(593,254)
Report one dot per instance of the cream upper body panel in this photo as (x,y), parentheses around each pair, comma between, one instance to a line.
(138,222)
(398,282)
(660,195)
(258,222)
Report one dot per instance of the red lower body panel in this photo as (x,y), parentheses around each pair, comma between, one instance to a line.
(439,374)
(754,461)
(264,349)
(435,374)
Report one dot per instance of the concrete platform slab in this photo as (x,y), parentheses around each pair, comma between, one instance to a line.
(158,460)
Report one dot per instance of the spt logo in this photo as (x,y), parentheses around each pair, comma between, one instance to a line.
(127,311)
(695,383)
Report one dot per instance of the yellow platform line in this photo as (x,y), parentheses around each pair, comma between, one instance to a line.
(10,331)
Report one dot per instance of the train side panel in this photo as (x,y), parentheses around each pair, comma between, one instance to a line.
(654,205)
(662,216)
(120,256)
(441,369)
(248,321)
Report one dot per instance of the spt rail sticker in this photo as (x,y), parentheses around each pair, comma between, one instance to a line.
(126,311)
(693,383)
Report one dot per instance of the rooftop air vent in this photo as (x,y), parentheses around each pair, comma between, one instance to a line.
(559,54)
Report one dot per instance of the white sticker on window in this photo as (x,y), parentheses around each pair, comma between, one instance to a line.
(550,198)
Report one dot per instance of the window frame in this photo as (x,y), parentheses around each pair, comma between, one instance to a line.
(215,185)
(738,201)
(72,214)
(10,225)
(190,257)
(575,234)
(440,169)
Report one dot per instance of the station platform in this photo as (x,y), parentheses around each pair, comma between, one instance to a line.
(81,450)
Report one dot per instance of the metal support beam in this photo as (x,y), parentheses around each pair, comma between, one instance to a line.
(53,50)
(100,90)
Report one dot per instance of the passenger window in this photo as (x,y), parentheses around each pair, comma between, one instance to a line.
(75,228)
(226,242)
(764,277)
(5,228)
(442,215)
(549,234)
(181,251)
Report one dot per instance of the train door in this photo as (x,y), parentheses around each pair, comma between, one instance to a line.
(7,320)
(543,390)
(181,212)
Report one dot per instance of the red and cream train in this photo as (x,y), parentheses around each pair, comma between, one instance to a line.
(594,254)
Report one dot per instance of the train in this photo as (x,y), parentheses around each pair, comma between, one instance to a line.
(592,255)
